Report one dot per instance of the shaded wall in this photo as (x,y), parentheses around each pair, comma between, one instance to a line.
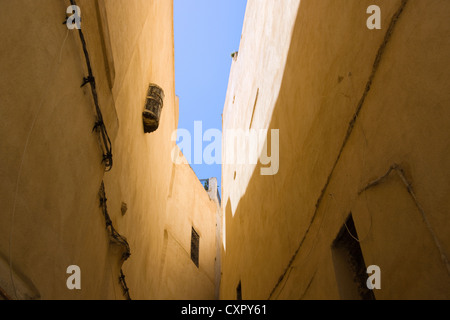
(51,161)
(362,121)
(189,206)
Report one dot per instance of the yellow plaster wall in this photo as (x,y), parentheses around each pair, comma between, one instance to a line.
(344,121)
(188,206)
(50,159)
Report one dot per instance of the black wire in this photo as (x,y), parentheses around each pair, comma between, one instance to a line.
(99,125)
(116,238)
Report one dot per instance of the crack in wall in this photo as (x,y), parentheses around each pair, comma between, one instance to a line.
(309,285)
(350,128)
(400,172)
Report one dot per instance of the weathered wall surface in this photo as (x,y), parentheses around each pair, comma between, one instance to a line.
(362,117)
(142,162)
(50,159)
(189,206)
(255,79)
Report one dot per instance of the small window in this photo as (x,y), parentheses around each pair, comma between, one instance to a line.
(195,243)
(239,292)
(349,265)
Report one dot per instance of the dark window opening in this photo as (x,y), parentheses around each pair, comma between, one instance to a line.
(239,292)
(195,245)
(349,265)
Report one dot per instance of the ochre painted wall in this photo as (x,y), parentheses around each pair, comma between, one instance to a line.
(188,208)
(50,160)
(363,128)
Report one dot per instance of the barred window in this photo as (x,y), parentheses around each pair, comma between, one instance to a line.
(195,245)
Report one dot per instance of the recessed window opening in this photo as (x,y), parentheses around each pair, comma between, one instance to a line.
(195,246)
(239,291)
(349,265)
(254,108)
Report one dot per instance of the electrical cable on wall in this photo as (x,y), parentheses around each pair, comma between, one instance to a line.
(126,291)
(114,235)
(115,238)
(106,145)
(99,126)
